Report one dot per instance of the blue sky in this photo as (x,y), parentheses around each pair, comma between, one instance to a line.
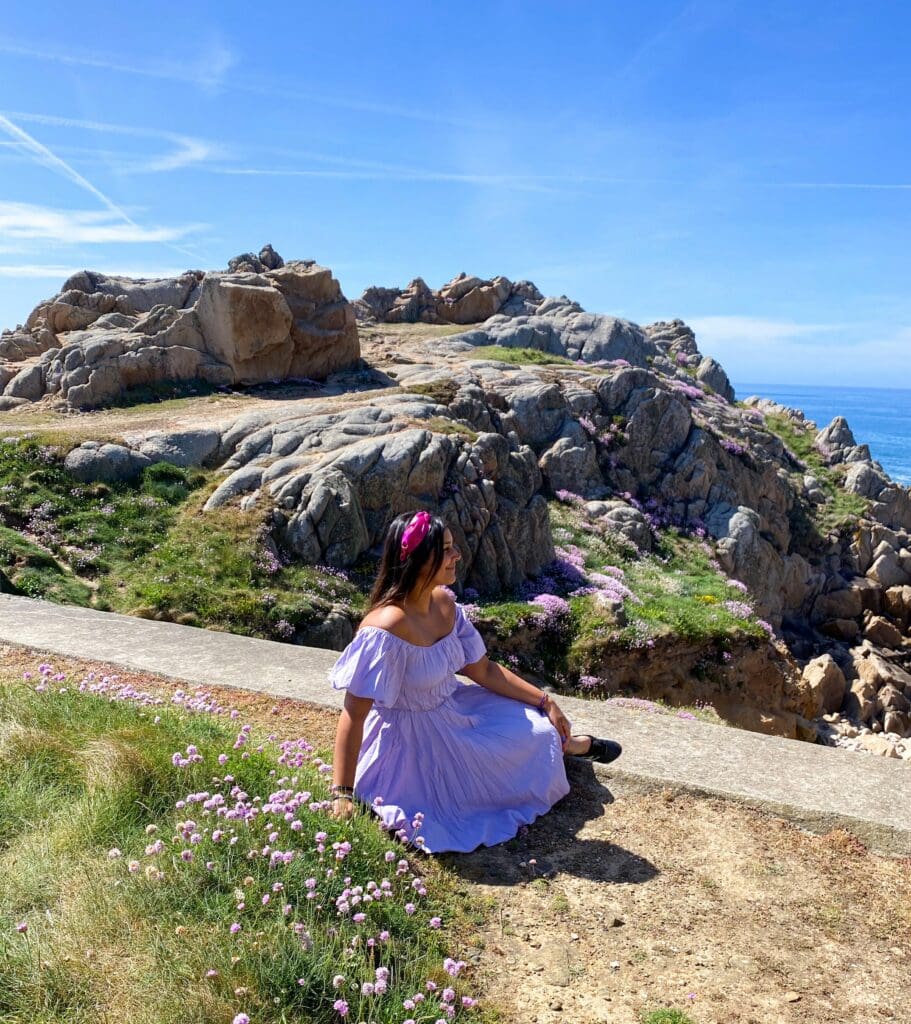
(743,166)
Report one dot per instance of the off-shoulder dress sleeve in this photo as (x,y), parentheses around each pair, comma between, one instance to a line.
(472,644)
(370,666)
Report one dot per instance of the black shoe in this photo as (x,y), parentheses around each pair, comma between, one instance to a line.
(602,751)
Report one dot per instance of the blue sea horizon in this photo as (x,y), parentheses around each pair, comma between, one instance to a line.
(878,417)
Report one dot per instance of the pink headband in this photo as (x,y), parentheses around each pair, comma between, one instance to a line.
(415,532)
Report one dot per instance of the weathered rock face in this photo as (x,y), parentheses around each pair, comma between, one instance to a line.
(563,328)
(463,300)
(335,482)
(263,320)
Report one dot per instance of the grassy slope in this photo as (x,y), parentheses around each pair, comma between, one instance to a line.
(842,509)
(82,775)
(147,548)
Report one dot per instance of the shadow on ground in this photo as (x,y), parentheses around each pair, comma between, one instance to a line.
(551,845)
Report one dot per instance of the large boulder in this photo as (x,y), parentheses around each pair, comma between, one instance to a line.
(712,373)
(103,335)
(824,683)
(836,442)
(323,334)
(561,327)
(182,448)
(246,324)
(28,383)
(110,463)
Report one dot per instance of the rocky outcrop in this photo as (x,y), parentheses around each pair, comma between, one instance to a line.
(463,300)
(563,328)
(634,426)
(262,320)
(335,482)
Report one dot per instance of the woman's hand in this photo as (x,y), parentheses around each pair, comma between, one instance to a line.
(342,806)
(559,721)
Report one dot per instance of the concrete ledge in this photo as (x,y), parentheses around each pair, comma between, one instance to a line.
(817,787)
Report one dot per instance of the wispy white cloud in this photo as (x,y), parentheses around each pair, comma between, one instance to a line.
(848,185)
(519,182)
(129,230)
(750,330)
(187,149)
(207,70)
(54,271)
(27,221)
(44,156)
(787,351)
(210,69)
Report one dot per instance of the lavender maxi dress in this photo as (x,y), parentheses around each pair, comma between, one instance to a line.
(477,765)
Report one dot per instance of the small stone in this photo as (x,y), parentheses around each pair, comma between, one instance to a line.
(792,997)
(615,965)
(573,936)
(556,1005)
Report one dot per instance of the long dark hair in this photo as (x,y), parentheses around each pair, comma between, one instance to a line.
(397,578)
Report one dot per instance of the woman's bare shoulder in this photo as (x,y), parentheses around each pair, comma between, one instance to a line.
(388,617)
(445,601)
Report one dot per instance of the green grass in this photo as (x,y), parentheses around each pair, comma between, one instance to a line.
(502,354)
(676,592)
(442,391)
(147,548)
(666,1016)
(439,425)
(676,595)
(34,572)
(213,569)
(843,509)
(83,774)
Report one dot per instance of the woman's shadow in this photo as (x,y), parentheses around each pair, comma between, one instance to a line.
(549,845)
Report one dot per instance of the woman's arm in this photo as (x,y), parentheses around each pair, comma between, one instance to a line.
(501,680)
(349,735)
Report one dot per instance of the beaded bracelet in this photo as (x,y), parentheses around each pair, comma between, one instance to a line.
(342,790)
(542,703)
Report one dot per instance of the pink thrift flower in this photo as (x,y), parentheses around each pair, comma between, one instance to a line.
(341,1007)
(435,922)
(338,981)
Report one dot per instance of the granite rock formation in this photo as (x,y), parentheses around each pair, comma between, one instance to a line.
(261,320)
(463,300)
(639,426)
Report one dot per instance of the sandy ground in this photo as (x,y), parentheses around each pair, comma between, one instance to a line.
(620,901)
(382,348)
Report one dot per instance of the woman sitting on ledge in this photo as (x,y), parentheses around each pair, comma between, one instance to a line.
(476,762)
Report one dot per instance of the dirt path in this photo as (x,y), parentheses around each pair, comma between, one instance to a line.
(622,901)
(381,348)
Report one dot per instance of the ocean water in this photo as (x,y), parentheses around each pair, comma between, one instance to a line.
(879,417)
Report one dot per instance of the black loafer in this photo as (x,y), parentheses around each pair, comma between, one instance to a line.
(602,751)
